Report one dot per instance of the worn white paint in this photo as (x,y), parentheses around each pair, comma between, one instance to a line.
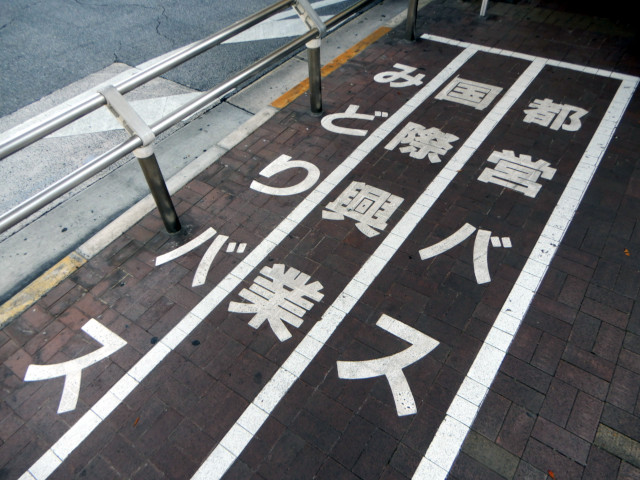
(72,369)
(391,366)
(281,164)
(401,77)
(450,436)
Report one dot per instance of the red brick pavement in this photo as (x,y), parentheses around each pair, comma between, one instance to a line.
(565,403)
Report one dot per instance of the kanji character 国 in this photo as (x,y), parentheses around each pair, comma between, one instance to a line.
(467,92)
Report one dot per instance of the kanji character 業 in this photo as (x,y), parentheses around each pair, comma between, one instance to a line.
(517,172)
(278,296)
(554,115)
(369,206)
(480,249)
(420,141)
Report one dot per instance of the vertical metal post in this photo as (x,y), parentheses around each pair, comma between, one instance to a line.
(315,86)
(155,180)
(412,14)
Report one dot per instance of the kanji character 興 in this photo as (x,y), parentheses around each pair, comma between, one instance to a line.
(401,77)
(467,92)
(71,370)
(517,172)
(420,142)
(207,259)
(392,365)
(352,113)
(370,207)
(480,249)
(278,295)
(554,115)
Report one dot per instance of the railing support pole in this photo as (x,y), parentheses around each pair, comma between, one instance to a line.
(155,180)
(412,14)
(315,85)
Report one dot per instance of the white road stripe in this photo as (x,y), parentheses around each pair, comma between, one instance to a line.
(48,463)
(448,440)
(238,437)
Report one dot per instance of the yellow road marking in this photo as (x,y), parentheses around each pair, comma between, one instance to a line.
(22,300)
(333,65)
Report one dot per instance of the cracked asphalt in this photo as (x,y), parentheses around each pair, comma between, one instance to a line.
(46,45)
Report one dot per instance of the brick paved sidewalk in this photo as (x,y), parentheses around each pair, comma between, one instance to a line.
(365,233)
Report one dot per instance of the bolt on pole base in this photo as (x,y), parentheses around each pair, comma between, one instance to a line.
(158,187)
(315,83)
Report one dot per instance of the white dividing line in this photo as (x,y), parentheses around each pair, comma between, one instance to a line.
(448,440)
(53,457)
(523,56)
(238,437)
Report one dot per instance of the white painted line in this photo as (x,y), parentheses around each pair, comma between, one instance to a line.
(152,358)
(448,440)
(203,267)
(530,58)
(278,387)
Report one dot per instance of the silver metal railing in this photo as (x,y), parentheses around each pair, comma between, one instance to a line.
(142,148)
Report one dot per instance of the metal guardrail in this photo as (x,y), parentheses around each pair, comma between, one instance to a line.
(143,149)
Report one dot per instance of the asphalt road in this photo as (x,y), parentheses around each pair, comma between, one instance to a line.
(45,46)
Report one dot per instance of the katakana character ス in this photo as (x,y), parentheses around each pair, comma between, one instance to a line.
(392,365)
(480,249)
(392,78)
(71,370)
(517,172)
(554,115)
(467,92)
(369,206)
(420,141)
(278,296)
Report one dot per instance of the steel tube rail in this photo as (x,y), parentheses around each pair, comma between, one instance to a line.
(75,178)
(96,101)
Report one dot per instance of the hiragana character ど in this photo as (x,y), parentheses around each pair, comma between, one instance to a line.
(352,113)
